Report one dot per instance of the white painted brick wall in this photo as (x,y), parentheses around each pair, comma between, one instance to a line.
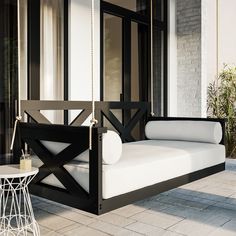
(188,57)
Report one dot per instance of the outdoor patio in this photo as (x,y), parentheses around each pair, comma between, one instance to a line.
(204,207)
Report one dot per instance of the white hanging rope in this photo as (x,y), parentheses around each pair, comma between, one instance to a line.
(151,54)
(18,117)
(93,121)
(217,40)
(217,53)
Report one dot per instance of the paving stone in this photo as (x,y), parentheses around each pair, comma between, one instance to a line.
(230,225)
(184,212)
(69,228)
(51,221)
(226,206)
(70,215)
(187,201)
(195,185)
(129,210)
(83,212)
(41,205)
(155,204)
(222,232)
(163,233)
(112,229)
(201,227)
(215,210)
(214,193)
(84,231)
(116,219)
(143,228)
(43,231)
(52,233)
(128,233)
(190,195)
(231,199)
(158,219)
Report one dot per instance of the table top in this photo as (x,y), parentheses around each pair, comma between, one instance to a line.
(14,171)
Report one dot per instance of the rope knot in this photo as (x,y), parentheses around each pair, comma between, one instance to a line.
(19,118)
(93,121)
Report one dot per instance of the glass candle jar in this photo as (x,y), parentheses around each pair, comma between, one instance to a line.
(25,162)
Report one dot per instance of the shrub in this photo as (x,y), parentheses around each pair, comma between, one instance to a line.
(221,102)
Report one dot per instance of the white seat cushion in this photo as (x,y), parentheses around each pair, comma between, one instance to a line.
(145,163)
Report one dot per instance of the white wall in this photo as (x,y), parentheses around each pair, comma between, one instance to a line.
(204,59)
(184,58)
(226,52)
(227,36)
(172,59)
(227,39)
(210,39)
(80,50)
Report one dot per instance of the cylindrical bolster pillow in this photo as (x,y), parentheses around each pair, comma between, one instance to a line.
(195,131)
(111,149)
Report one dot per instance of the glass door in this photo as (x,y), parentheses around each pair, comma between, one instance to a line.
(125,53)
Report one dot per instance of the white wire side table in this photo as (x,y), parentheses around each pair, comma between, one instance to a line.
(16,212)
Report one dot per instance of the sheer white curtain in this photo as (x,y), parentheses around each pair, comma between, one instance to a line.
(23,48)
(51,72)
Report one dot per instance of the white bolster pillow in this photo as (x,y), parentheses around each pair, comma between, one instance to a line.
(195,131)
(111,148)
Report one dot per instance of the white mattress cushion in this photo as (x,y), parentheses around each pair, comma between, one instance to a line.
(111,148)
(145,163)
(196,131)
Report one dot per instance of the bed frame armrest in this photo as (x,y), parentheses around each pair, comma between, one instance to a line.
(220,120)
(78,138)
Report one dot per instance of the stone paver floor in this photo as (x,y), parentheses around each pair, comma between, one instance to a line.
(204,207)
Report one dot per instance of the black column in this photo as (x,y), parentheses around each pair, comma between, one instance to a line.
(33,49)
(8,74)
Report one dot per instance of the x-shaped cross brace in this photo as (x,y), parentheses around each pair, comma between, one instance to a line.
(53,164)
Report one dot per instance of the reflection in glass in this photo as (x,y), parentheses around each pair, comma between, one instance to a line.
(135,62)
(8,75)
(51,64)
(139,6)
(112,57)
(158,10)
(113,60)
(158,39)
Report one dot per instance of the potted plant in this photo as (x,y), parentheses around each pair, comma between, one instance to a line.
(221,102)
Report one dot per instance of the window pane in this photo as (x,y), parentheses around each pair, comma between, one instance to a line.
(112,58)
(112,62)
(158,10)
(134,62)
(8,76)
(139,69)
(139,6)
(158,48)
(51,50)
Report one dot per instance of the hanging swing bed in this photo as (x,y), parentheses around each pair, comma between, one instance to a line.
(176,151)
(96,170)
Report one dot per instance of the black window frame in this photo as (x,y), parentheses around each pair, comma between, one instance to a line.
(109,8)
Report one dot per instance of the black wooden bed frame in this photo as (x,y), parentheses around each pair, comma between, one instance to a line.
(74,195)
